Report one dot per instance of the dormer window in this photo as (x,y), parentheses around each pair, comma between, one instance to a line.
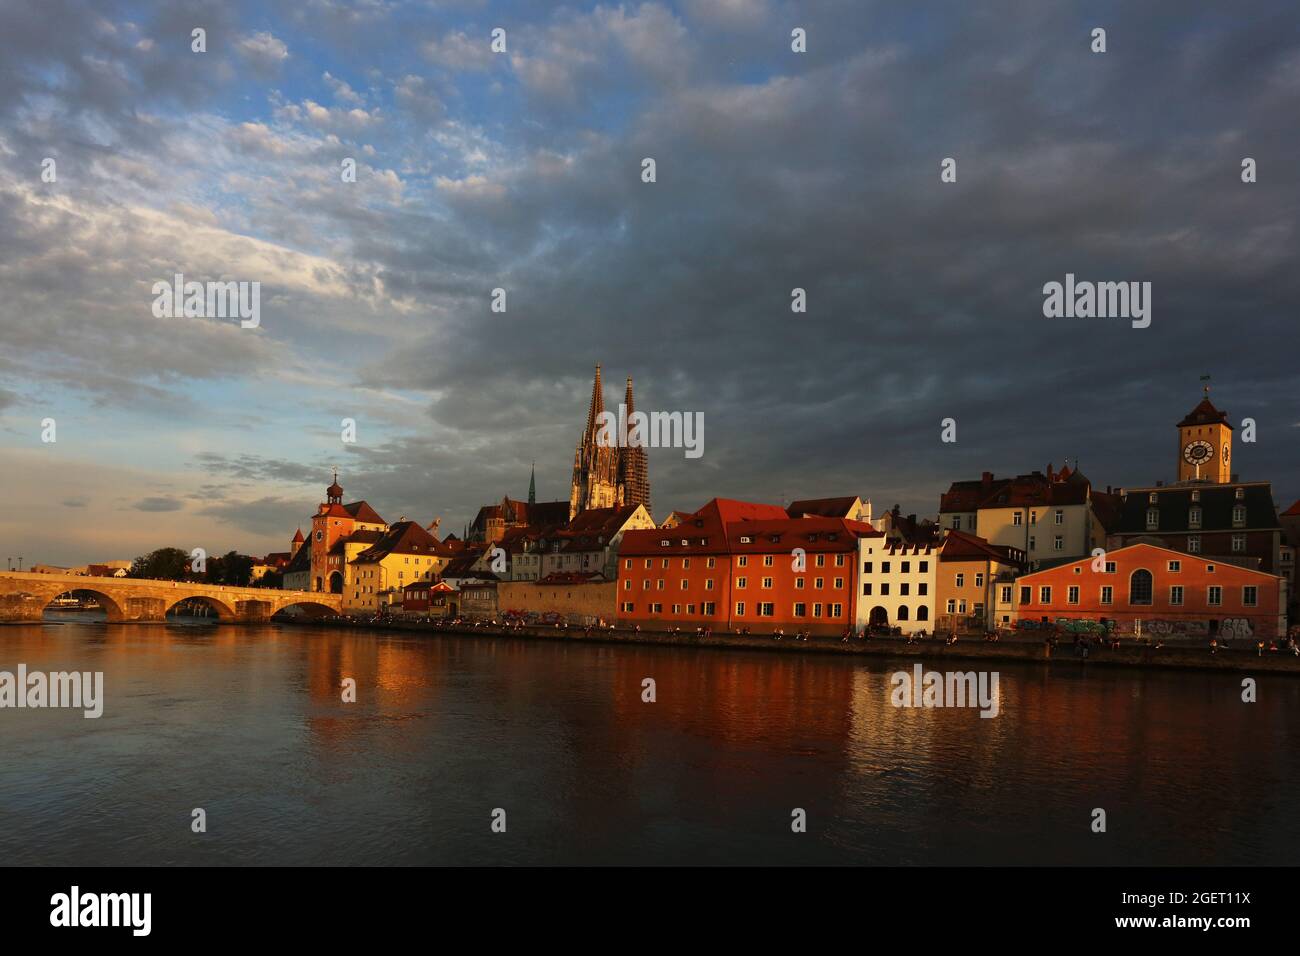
(744,539)
(1196,496)
(685,542)
(1241,494)
(664,543)
(1153,498)
(1194,517)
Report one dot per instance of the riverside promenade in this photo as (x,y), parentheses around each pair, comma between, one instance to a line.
(1130,653)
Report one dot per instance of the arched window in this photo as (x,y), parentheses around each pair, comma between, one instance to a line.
(1139,587)
(902,613)
(923,613)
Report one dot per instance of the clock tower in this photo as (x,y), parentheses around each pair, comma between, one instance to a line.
(1205,444)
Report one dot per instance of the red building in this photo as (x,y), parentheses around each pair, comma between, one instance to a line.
(1158,593)
(735,564)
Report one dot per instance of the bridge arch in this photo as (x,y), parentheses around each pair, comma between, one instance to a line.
(305,608)
(113,609)
(224,611)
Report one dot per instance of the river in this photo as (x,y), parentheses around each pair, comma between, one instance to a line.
(247,723)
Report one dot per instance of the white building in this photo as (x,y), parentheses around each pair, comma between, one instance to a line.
(896,584)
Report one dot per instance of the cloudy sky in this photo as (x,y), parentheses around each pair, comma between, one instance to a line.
(522,170)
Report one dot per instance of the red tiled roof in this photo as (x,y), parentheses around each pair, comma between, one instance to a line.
(405,537)
(361,511)
(823,507)
(960,546)
(1204,414)
(1293,511)
(1029,490)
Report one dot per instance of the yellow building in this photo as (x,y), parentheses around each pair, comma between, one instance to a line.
(1205,444)
(970,571)
(404,554)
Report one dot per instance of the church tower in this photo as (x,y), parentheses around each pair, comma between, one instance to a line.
(1205,444)
(633,474)
(605,474)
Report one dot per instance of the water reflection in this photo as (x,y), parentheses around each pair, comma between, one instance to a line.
(249,724)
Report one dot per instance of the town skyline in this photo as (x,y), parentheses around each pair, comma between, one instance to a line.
(522,171)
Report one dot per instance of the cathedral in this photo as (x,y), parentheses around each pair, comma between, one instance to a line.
(605,476)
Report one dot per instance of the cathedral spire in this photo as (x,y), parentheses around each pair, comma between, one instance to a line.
(532,486)
(597,403)
(633,473)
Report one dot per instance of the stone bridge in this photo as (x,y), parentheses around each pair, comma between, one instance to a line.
(24,597)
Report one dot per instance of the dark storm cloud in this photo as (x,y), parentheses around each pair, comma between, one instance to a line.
(157,504)
(775,171)
(258,515)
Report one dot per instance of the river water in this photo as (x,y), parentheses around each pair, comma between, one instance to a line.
(248,724)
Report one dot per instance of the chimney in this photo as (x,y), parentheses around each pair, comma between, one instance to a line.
(986,479)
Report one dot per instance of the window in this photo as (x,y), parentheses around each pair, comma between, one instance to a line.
(923,588)
(1072,594)
(800,609)
(627,584)
(1176,595)
(902,612)
(1005,594)
(1216,595)
(1239,516)
(686,583)
(1033,543)
(1194,543)
(817,610)
(1241,494)
(961,606)
(979,579)
(837,610)
(1153,519)
(627,607)
(745,539)
(767,609)
(839,583)
(1140,587)
(1026,594)
(884,588)
(956,522)
(647,562)
(821,560)
(952,606)
(1196,495)
(1209,569)
(740,609)
(1250,596)
(767,584)
(767,560)
(628,564)
(1017,520)
(1193,517)
(1058,543)
(798,584)
(819,583)
(925,566)
(1238,543)
(708,584)
(961,580)
(659,584)
(866,567)
(742,561)
(839,560)
(1033,519)
(709,608)
(907,567)
(740,584)
(904,589)
(656,608)
(1045,595)
(866,589)
(711,562)
(686,563)
(1175,566)
(1110,567)
(677,609)
(884,567)
(1107,594)
(1153,498)
(923,613)
(1060,516)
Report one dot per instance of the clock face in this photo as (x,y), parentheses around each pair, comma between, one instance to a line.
(1198,452)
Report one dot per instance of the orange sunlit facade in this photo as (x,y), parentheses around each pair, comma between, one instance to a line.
(736,565)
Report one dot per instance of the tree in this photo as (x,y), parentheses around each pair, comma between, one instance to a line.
(165,564)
